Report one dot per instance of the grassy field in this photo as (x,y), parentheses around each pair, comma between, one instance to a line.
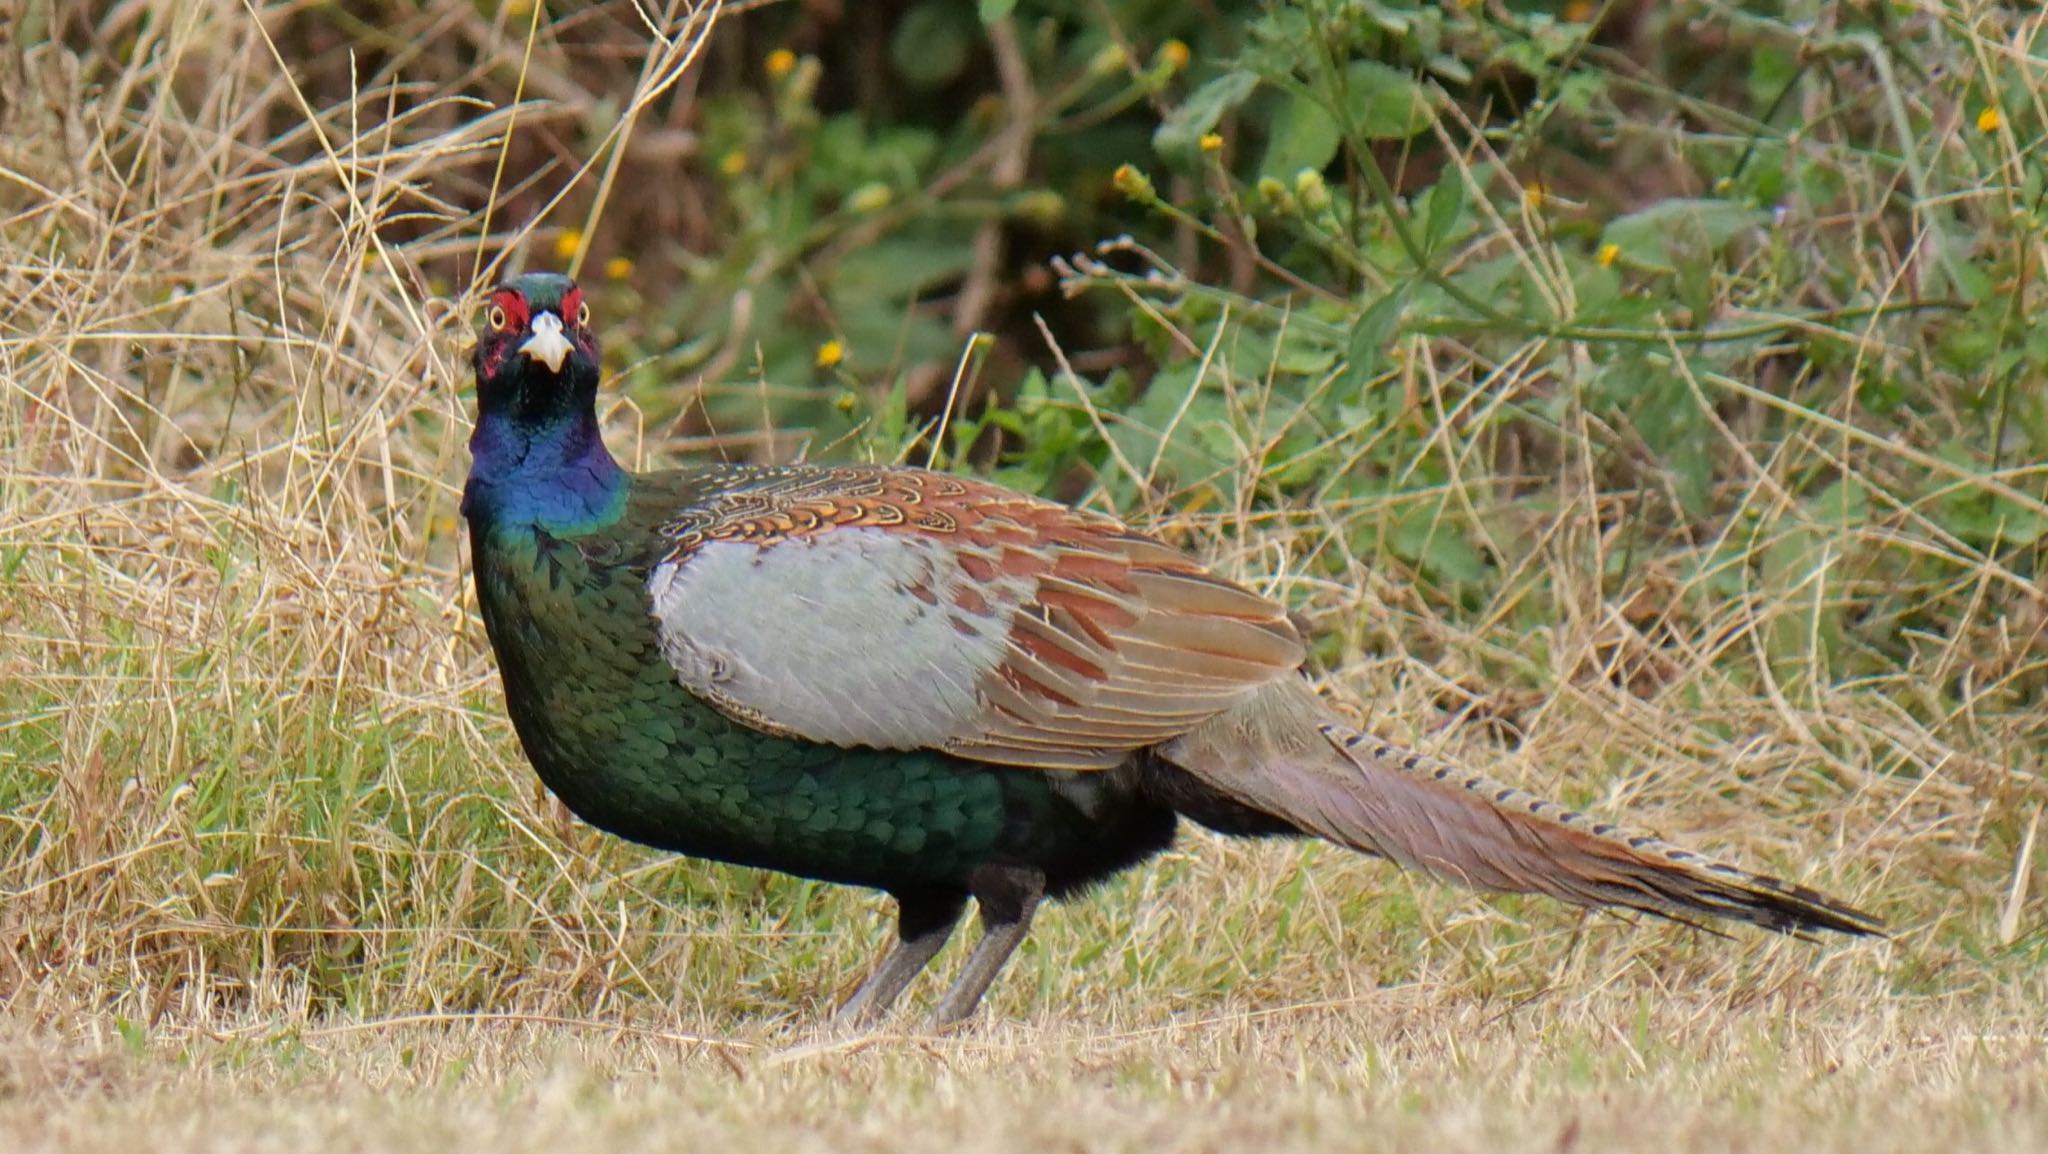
(1742,540)
(1395,1069)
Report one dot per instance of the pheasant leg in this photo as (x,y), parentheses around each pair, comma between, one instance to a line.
(922,927)
(1008,896)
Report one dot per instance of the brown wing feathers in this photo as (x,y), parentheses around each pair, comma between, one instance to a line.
(1125,643)
(1079,640)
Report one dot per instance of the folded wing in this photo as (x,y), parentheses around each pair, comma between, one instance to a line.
(901,609)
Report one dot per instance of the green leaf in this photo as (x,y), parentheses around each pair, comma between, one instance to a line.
(1179,136)
(1430,536)
(1804,630)
(134,1038)
(899,268)
(931,44)
(1450,68)
(1367,349)
(1303,135)
(1844,504)
(1654,236)
(994,10)
(892,422)
(1442,209)
(1383,103)
(1180,431)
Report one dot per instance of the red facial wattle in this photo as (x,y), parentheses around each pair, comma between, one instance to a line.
(517,314)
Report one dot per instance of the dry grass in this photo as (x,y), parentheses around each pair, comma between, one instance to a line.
(1396,1070)
(266,844)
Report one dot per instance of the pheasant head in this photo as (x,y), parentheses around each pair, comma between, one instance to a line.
(537,456)
(535,357)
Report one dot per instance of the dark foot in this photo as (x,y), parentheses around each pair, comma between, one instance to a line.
(1008,896)
(922,926)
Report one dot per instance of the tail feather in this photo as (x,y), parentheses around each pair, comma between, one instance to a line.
(1283,753)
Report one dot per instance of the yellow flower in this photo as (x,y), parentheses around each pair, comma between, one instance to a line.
(985,112)
(1041,205)
(618,268)
(1133,183)
(1608,253)
(1174,54)
(870,197)
(830,354)
(1212,142)
(1532,195)
(733,163)
(1107,59)
(780,63)
(1989,120)
(1312,189)
(568,243)
(1276,196)
(518,7)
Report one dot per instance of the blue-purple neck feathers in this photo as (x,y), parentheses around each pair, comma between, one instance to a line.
(555,475)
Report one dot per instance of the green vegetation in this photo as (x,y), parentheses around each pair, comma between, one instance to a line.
(1643,403)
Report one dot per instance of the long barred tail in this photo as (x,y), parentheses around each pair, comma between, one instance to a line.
(1509,839)
(1286,755)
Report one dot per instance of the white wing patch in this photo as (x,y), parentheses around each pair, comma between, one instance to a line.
(851,637)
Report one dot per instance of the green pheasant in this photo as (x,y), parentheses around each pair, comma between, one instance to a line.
(938,688)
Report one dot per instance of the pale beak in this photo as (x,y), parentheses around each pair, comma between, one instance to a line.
(547,344)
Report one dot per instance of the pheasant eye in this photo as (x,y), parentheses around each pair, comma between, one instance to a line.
(583,315)
(496,318)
